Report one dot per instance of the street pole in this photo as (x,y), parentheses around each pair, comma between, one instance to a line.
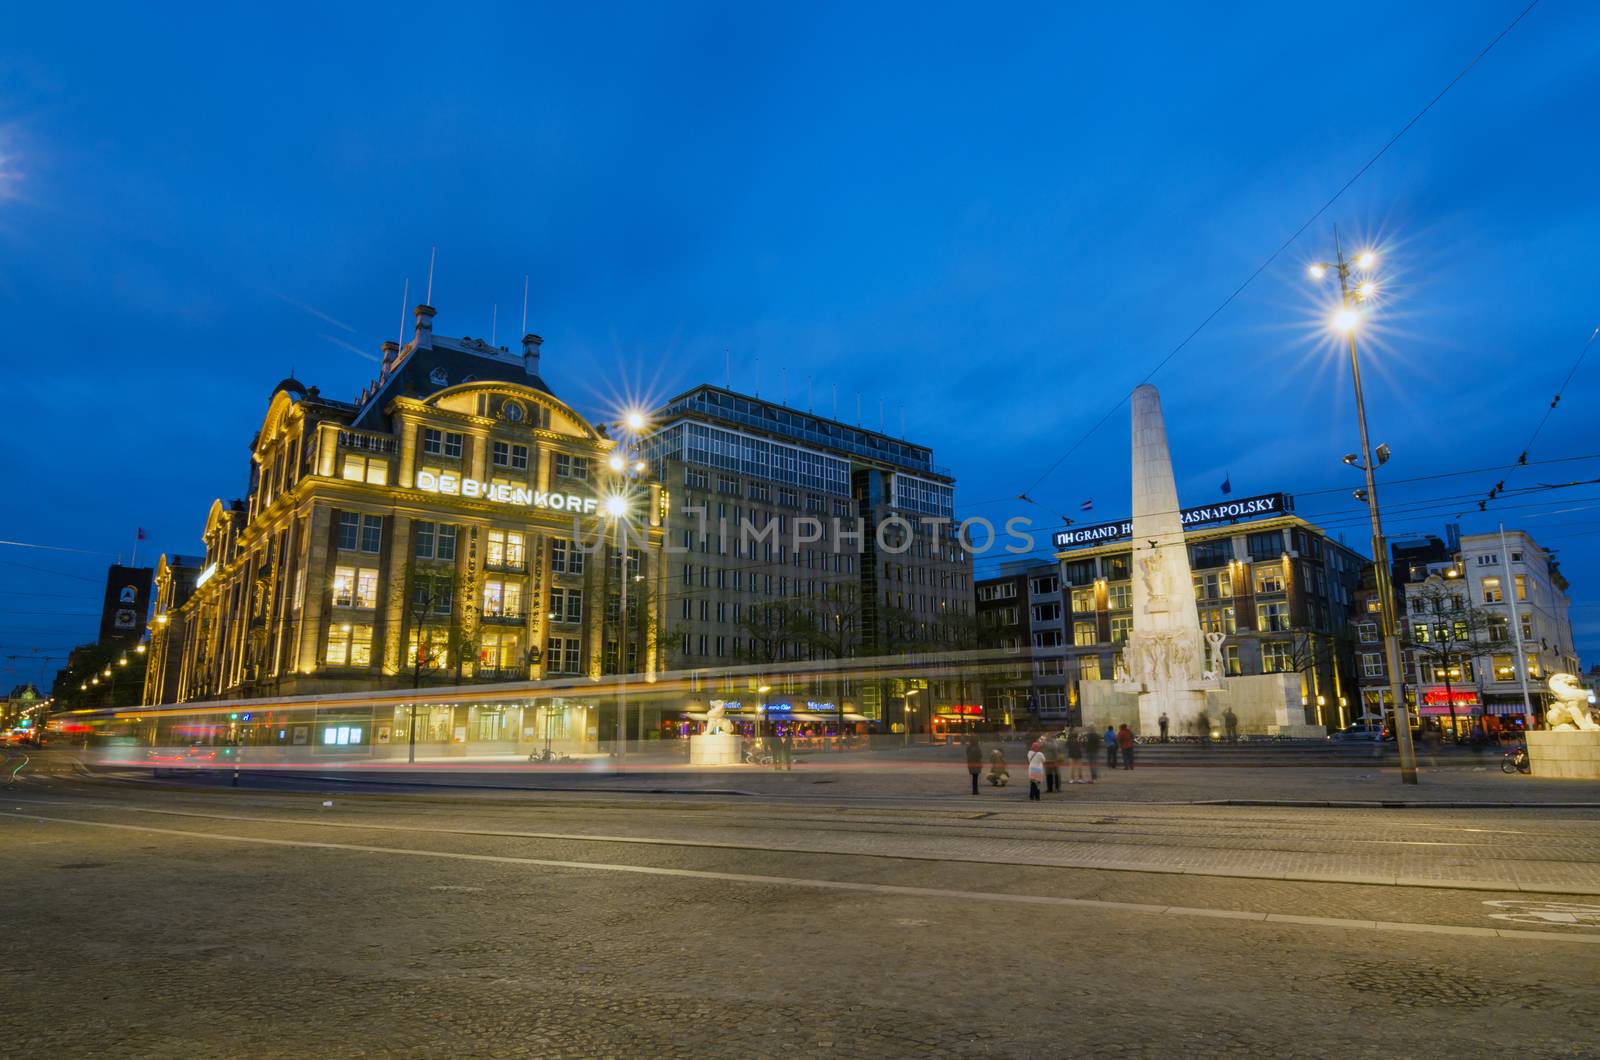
(1508,593)
(1380,556)
(622,648)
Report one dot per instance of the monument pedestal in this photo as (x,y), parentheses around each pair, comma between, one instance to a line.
(719,749)
(1574,754)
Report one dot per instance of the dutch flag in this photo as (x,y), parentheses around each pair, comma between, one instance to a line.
(1085,506)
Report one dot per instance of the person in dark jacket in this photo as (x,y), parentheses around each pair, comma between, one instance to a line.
(1125,745)
(1111,747)
(1165,721)
(1052,764)
(1075,757)
(974,761)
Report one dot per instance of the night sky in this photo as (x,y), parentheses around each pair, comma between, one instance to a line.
(993,220)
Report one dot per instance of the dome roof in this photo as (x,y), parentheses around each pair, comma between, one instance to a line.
(292,385)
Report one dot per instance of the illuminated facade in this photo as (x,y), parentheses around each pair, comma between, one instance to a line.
(447,526)
(1278,588)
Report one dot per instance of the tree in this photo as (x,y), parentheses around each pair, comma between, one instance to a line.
(435,630)
(1445,633)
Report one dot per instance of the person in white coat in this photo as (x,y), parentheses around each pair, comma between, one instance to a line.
(1035,771)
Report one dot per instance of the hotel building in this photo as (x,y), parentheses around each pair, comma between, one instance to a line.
(1279,588)
(448,526)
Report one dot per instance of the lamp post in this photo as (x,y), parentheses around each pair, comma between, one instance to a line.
(1347,320)
(907,713)
(617,507)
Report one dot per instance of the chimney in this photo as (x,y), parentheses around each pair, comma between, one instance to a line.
(391,357)
(424,339)
(530,353)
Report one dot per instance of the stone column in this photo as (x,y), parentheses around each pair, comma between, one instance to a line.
(1164,657)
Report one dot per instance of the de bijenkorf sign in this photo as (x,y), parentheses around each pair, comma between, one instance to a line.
(1221,512)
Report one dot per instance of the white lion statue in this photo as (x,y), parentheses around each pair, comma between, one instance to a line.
(1570,712)
(717,719)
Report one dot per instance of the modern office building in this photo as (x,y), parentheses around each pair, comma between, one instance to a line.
(795,536)
(1279,588)
(1461,630)
(449,525)
(1021,611)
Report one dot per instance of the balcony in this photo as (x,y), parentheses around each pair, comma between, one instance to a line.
(368,441)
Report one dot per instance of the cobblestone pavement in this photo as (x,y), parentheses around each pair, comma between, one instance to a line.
(419,926)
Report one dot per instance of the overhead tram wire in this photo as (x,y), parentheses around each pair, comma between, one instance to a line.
(1561,391)
(1265,264)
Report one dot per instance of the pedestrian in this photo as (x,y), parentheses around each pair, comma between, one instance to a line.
(974,761)
(1110,739)
(1035,771)
(999,775)
(1230,722)
(1164,724)
(1203,723)
(1075,756)
(1052,764)
(788,749)
(1091,759)
(1125,745)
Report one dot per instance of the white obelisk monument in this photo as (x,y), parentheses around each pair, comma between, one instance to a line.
(1164,658)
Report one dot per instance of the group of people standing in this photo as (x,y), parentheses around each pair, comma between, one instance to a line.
(1079,748)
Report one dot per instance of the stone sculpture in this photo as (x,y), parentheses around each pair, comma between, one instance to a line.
(1570,711)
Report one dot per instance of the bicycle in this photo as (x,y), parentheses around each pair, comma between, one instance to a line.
(1516,761)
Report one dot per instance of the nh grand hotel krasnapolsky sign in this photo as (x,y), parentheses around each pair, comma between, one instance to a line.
(1222,512)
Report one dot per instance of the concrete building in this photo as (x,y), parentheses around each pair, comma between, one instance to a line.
(1456,615)
(795,536)
(1276,586)
(1021,610)
(446,526)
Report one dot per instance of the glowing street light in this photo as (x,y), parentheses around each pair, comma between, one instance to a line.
(1346,320)
(634,420)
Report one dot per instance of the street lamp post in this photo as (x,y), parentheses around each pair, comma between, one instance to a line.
(618,507)
(1347,319)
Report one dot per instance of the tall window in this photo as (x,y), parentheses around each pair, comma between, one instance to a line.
(1276,657)
(500,651)
(1214,585)
(1272,617)
(1269,578)
(441,443)
(349,644)
(1121,626)
(373,469)
(563,655)
(372,533)
(1082,600)
(1267,545)
(1491,591)
(355,587)
(502,599)
(433,643)
(1088,667)
(566,605)
(566,557)
(569,466)
(349,531)
(1217,620)
(1367,632)
(506,549)
(1120,596)
(1371,664)
(1084,633)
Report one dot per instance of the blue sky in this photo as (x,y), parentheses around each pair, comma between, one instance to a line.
(998,220)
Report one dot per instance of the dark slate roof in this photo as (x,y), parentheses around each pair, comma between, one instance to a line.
(447,362)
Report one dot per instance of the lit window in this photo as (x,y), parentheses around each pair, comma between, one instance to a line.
(349,644)
(1276,657)
(1269,578)
(506,549)
(1491,591)
(344,586)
